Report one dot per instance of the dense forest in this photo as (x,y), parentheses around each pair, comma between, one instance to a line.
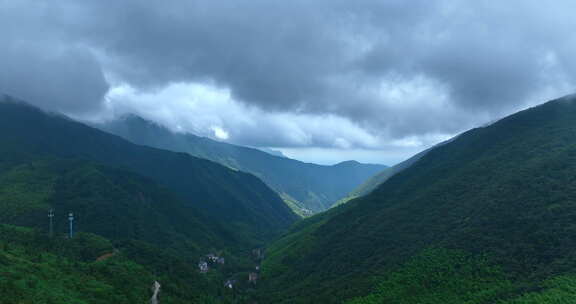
(240,204)
(484,218)
(90,269)
(140,215)
(499,199)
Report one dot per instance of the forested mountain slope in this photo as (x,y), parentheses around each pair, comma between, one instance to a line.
(150,236)
(110,202)
(140,215)
(378,179)
(246,211)
(89,269)
(307,188)
(487,217)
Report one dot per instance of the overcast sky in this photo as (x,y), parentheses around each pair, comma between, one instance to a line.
(321,80)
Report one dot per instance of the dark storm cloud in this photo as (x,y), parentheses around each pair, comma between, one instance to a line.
(66,80)
(394,68)
(281,55)
(267,52)
(39,65)
(489,57)
(317,56)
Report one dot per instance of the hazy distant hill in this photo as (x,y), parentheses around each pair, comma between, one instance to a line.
(305,187)
(489,217)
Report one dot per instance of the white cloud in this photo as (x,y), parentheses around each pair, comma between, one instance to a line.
(220,133)
(206,110)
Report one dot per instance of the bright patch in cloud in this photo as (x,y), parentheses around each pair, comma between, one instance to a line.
(220,133)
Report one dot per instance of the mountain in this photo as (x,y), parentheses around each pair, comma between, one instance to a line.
(489,217)
(146,243)
(148,233)
(241,207)
(140,215)
(90,269)
(272,152)
(110,202)
(307,188)
(378,179)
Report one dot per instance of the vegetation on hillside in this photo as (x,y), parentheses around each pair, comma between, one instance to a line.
(372,183)
(306,188)
(485,218)
(506,190)
(110,202)
(238,205)
(141,215)
(38,269)
(453,277)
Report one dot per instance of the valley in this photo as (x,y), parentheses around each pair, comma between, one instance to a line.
(455,223)
(287,152)
(306,188)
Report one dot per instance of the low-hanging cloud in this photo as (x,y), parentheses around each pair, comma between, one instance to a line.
(391,69)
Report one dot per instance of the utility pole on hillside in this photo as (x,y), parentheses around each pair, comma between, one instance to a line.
(51,217)
(71,221)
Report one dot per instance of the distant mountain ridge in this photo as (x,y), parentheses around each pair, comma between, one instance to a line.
(273,152)
(307,188)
